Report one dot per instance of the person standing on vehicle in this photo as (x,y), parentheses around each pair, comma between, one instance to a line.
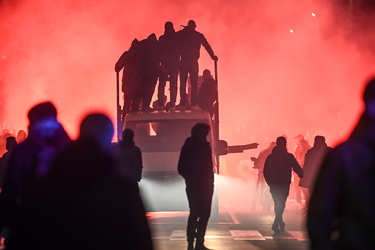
(196,166)
(207,93)
(190,42)
(170,58)
(278,173)
(130,62)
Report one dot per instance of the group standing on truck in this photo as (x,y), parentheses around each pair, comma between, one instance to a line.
(175,53)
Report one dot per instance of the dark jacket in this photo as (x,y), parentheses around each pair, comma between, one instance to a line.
(343,199)
(195,163)
(85,198)
(207,95)
(191,42)
(169,50)
(278,167)
(129,160)
(312,163)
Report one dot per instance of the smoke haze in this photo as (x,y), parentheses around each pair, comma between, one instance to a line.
(285,67)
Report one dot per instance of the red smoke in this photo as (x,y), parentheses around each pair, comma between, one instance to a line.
(285,67)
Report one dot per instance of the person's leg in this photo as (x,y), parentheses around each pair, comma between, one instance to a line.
(205,196)
(193,215)
(173,85)
(283,195)
(276,200)
(161,88)
(149,91)
(194,83)
(183,79)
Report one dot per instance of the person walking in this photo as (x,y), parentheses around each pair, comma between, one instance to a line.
(278,173)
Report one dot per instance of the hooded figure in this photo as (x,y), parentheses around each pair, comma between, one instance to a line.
(343,200)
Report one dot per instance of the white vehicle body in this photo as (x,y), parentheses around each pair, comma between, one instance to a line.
(160,136)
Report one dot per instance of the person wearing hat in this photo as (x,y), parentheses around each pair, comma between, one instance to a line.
(342,205)
(190,42)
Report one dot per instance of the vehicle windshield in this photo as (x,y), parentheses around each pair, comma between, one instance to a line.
(161,135)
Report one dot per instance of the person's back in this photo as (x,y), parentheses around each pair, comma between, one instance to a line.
(278,167)
(312,162)
(129,157)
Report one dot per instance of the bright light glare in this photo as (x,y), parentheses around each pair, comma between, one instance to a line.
(313,14)
(291,31)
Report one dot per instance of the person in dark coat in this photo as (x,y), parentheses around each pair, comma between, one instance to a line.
(190,42)
(342,204)
(313,161)
(84,201)
(129,157)
(196,167)
(170,58)
(29,161)
(207,93)
(131,77)
(278,172)
(149,57)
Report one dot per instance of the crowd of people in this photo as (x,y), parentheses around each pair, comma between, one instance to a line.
(54,186)
(57,188)
(176,53)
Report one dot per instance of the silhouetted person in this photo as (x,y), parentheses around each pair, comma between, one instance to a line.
(302,147)
(29,161)
(10,144)
(149,68)
(84,201)
(131,77)
(170,58)
(207,93)
(261,182)
(129,157)
(21,136)
(278,173)
(342,205)
(190,42)
(313,161)
(195,165)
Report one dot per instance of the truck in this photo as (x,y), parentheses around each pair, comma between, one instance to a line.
(160,135)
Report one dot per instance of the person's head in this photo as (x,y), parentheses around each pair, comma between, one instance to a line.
(10,143)
(200,131)
(128,135)
(152,38)
(207,74)
(97,127)
(319,140)
(42,111)
(299,137)
(369,99)
(191,25)
(281,142)
(21,136)
(168,27)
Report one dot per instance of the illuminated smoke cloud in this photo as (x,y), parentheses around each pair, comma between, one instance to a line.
(285,67)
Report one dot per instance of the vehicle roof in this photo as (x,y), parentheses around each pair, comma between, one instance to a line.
(163,115)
